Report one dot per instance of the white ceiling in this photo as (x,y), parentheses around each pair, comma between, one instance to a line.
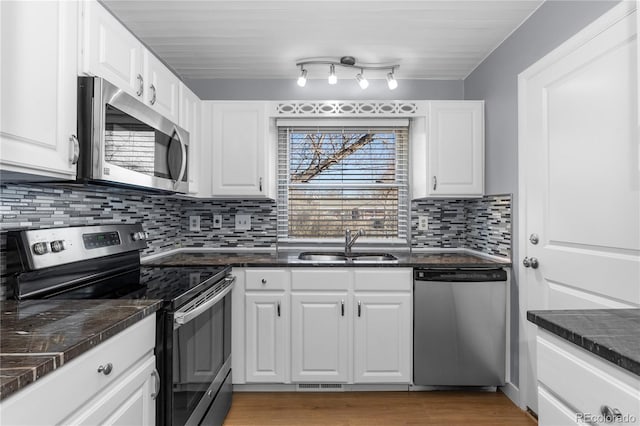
(219,39)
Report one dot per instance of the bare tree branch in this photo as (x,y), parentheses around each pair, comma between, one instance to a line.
(320,163)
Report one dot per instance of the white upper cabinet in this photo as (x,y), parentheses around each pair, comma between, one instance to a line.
(190,121)
(448,150)
(240,155)
(111,51)
(39,86)
(161,87)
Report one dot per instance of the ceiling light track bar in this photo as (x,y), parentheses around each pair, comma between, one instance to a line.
(348,62)
(391,68)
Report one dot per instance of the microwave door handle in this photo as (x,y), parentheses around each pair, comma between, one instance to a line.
(181,318)
(183,166)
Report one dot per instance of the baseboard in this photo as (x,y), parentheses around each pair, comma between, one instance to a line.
(513,393)
(309,387)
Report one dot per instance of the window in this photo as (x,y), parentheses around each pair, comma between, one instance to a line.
(334,177)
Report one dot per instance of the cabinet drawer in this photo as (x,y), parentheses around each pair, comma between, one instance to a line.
(585,382)
(553,412)
(321,279)
(266,279)
(384,279)
(67,388)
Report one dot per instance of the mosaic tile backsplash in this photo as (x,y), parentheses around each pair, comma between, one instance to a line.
(481,224)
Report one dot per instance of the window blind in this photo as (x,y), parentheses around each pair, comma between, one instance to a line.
(331,178)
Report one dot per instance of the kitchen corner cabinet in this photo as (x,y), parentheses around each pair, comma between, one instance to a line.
(574,383)
(78,393)
(109,50)
(38,102)
(191,122)
(448,150)
(241,151)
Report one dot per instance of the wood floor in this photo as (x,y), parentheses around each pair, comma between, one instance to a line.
(375,408)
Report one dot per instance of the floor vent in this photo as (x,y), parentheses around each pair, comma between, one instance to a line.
(320,387)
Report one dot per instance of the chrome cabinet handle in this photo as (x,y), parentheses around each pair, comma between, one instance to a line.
(278,308)
(156,387)
(611,415)
(263,281)
(153,95)
(75,149)
(531,262)
(260,184)
(359,308)
(140,90)
(105,369)
(342,307)
(435,183)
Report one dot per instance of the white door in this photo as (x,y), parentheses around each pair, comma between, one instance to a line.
(383,332)
(266,321)
(580,178)
(319,337)
(161,87)
(39,84)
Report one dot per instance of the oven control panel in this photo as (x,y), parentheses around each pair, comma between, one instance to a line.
(56,246)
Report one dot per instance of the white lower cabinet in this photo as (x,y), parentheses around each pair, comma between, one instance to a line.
(577,387)
(267,321)
(382,338)
(78,393)
(322,325)
(319,337)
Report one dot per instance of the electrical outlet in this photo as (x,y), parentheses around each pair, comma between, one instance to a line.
(423,223)
(194,223)
(243,222)
(217,221)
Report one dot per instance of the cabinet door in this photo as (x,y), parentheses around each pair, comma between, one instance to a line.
(266,322)
(382,338)
(238,162)
(190,120)
(130,401)
(39,85)
(161,87)
(455,154)
(319,337)
(110,51)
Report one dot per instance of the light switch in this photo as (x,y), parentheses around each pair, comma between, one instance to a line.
(217,221)
(243,222)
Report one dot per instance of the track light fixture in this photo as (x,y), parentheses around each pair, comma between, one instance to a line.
(348,62)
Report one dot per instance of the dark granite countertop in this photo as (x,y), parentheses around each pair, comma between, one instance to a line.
(38,336)
(286,259)
(611,334)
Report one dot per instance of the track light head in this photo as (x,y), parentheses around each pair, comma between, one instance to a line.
(333,79)
(392,83)
(361,80)
(302,80)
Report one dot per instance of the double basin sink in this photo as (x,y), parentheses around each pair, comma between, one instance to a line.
(327,257)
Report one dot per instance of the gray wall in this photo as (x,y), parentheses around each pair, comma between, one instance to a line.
(496,81)
(265,90)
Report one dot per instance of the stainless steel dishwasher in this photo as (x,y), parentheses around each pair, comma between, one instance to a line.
(459,327)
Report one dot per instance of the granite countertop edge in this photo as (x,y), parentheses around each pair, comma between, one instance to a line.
(590,343)
(41,364)
(266,260)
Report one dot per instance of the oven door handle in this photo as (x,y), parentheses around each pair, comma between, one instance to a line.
(180,318)
(183,165)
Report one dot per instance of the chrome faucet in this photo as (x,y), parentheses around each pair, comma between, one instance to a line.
(350,241)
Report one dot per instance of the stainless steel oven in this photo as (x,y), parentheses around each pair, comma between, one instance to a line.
(197,367)
(125,142)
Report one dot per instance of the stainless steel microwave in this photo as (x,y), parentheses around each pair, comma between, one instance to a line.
(124,142)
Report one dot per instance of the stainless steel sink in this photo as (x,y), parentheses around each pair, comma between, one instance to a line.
(322,257)
(341,258)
